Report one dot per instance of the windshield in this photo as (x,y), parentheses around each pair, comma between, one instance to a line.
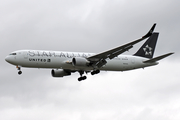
(12,54)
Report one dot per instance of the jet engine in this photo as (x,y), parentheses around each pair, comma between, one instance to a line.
(80,61)
(60,73)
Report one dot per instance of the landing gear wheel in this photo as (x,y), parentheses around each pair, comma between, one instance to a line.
(95,72)
(20,72)
(82,78)
(79,79)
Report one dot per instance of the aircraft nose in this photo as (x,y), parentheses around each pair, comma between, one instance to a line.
(8,59)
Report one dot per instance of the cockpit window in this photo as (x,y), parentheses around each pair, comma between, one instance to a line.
(12,54)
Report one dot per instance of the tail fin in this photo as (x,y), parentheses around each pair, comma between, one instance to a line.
(148,48)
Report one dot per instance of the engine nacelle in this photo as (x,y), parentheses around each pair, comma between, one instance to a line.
(60,73)
(80,61)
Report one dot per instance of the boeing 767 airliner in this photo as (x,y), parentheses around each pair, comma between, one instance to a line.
(64,63)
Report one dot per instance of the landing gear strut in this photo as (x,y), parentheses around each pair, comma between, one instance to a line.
(19,70)
(82,77)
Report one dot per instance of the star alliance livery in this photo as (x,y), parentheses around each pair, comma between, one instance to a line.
(64,63)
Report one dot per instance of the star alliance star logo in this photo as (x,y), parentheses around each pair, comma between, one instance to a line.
(147,50)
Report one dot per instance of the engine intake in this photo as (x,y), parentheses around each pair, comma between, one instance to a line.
(60,73)
(79,61)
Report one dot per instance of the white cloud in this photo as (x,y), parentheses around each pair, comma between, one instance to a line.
(138,94)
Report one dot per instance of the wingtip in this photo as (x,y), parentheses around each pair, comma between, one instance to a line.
(171,53)
(150,31)
(153,27)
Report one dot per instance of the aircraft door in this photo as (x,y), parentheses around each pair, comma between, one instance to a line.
(25,54)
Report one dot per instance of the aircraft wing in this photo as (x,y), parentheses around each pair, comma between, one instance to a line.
(100,59)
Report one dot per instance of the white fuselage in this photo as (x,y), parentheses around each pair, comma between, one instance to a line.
(63,60)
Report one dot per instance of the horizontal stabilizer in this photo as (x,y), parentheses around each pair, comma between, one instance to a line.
(158,58)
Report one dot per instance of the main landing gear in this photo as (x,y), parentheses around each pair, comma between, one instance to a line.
(82,77)
(95,72)
(19,70)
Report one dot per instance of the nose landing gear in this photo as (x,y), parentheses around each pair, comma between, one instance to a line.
(19,70)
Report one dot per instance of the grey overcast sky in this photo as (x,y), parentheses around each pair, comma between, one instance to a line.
(89,26)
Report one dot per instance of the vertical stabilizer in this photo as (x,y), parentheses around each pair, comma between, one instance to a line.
(148,48)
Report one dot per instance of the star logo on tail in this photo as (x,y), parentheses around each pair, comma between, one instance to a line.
(147,50)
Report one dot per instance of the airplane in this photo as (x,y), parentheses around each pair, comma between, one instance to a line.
(64,63)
